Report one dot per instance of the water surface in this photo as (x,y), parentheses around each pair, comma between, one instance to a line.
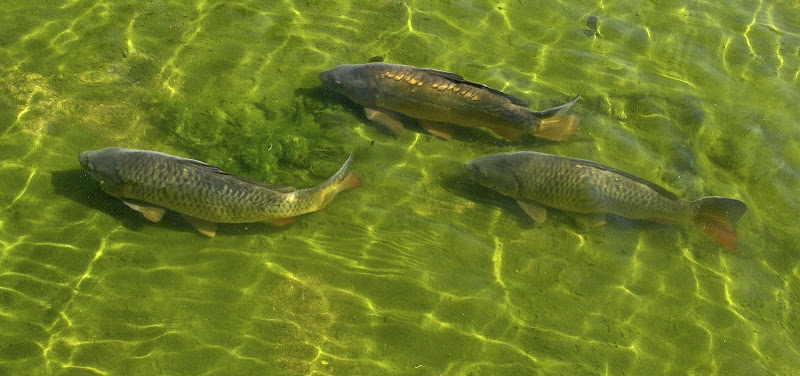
(419,271)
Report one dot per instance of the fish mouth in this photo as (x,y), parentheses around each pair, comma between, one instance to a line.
(85,162)
(472,169)
(328,78)
(490,172)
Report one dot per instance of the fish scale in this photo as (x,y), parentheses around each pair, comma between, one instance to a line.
(422,78)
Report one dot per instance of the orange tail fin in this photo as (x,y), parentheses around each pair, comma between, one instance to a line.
(557,128)
(715,216)
(555,124)
(352,180)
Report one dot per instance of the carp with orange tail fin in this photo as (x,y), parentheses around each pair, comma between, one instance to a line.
(715,215)
(590,190)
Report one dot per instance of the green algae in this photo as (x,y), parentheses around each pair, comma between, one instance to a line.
(419,271)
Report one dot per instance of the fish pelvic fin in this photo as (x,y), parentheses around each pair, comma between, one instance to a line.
(436,128)
(589,220)
(555,124)
(715,215)
(202,226)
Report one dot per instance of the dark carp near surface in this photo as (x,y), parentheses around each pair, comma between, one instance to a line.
(590,189)
(151,183)
(439,99)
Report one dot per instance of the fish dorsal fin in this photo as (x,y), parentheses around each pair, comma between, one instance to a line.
(199,165)
(661,190)
(215,170)
(461,80)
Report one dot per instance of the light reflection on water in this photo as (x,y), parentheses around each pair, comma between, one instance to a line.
(418,271)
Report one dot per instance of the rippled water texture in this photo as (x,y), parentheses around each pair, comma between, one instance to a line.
(419,271)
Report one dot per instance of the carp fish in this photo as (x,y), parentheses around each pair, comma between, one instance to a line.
(152,183)
(588,189)
(439,99)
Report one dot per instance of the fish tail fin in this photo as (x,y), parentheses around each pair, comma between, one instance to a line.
(340,181)
(715,215)
(351,181)
(343,179)
(555,124)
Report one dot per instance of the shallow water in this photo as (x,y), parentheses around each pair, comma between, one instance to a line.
(419,271)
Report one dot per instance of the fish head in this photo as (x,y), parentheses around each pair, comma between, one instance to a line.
(102,166)
(351,80)
(493,171)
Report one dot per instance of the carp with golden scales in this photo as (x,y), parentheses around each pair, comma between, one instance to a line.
(152,183)
(590,189)
(439,99)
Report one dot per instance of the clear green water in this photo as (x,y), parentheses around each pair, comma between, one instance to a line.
(419,271)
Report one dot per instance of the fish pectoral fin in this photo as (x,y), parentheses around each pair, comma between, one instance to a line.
(535,211)
(280,222)
(437,128)
(388,119)
(202,226)
(152,213)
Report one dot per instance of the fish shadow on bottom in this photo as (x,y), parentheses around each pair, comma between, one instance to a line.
(77,185)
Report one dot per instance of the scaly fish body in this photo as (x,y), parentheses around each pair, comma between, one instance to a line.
(152,182)
(437,97)
(589,188)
